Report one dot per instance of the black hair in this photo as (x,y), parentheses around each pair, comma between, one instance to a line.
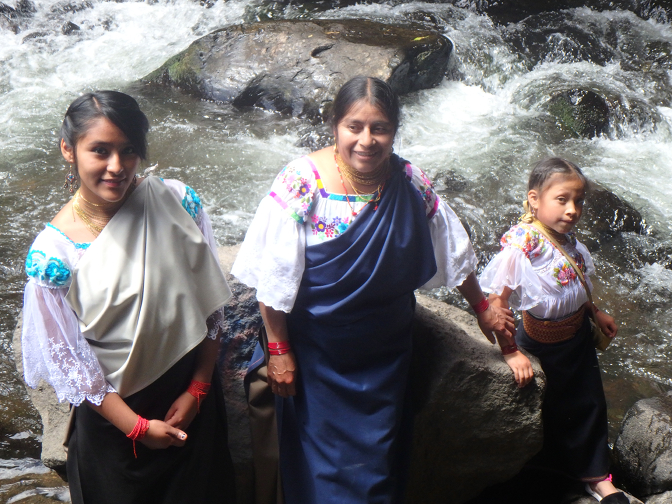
(377,92)
(545,169)
(122,110)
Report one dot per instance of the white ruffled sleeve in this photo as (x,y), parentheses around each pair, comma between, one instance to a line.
(454,254)
(55,350)
(272,256)
(511,268)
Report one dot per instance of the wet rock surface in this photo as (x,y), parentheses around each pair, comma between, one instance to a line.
(644,446)
(296,67)
(580,112)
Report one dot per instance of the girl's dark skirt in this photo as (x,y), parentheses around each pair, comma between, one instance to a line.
(574,410)
(102,469)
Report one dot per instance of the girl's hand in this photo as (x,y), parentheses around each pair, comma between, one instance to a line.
(282,374)
(521,367)
(607,323)
(161,435)
(182,411)
(497,319)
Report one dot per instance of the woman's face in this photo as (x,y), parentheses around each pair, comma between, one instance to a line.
(364,136)
(106,162)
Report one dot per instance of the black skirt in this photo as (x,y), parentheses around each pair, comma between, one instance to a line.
(574,410)
(102,469)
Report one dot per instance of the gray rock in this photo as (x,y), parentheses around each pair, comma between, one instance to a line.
(664,498)
(474,427)
(296,67)
(54,415)
(644,446)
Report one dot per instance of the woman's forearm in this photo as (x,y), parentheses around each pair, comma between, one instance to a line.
(275,322)
(471,290)
(115,410)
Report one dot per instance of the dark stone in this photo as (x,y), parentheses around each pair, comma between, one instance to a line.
(474,427)
(582,113)
(296,67)
(63,7)
(605,214)
(34,36)
(644,446)
(69,27)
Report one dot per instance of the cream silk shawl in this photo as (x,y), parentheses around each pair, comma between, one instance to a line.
(145,287)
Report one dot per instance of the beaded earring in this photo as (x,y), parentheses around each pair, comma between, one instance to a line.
(71,181)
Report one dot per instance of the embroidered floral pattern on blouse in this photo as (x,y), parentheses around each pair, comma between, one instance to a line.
(425,187)
(192,203)
(324,227)
(51,270)
(526,239)
(299,187)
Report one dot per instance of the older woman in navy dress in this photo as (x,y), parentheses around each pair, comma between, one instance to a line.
(335,251)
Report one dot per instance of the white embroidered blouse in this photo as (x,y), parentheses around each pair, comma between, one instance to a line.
(53,346)
(542,280)
(299,212)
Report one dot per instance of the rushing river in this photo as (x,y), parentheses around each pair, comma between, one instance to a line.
(478,134)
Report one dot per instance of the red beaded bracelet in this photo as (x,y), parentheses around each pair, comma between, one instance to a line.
(481,306)
(509,349)
(198,389)
(138,432)
(279,347)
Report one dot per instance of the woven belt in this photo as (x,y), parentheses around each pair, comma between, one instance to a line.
(553,331)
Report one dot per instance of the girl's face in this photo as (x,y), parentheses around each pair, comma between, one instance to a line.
(560,203)
(364,136)
(106,162)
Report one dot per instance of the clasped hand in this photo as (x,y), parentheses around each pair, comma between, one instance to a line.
(497,319)
(282,374)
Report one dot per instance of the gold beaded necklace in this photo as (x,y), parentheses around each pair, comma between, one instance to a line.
(374,177)
(348,170)
(95,216)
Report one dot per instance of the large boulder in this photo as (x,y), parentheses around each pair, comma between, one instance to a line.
(296,67)
(473,426)
(644,446)
(580,112)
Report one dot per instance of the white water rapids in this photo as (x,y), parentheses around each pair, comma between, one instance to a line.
(486,127)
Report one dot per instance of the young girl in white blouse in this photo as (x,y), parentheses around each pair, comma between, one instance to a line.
(531,274)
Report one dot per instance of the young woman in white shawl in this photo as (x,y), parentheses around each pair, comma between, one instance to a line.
(122,316)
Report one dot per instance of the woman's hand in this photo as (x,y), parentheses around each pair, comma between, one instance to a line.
(160,435)
(497,319)
(282,374)
(521,367)
(182,412)
(607,323)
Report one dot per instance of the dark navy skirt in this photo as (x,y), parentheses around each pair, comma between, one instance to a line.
(574,410)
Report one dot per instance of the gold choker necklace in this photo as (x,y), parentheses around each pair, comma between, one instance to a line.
(373,178)
(95,216)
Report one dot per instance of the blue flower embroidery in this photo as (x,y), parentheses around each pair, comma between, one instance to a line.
(51,270)
(192,203)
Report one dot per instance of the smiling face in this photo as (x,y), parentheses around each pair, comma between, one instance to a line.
(559,204)
(364,136)
(106,161)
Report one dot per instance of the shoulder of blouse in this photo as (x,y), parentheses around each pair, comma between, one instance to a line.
(47,262)
(424,186)
(526,238)
(189,199)
(295,187)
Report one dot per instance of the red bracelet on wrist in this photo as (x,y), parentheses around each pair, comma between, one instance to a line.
(279,347)
(481,306)
(509,349)
(138,432)
(198,389)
